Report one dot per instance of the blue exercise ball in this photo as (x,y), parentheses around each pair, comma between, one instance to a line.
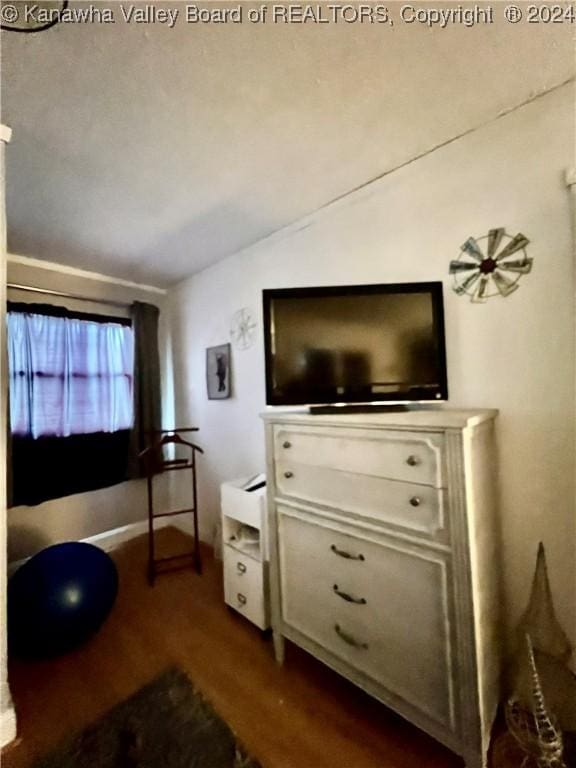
(58,598)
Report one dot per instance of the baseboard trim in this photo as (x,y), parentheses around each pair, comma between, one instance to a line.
(115,537)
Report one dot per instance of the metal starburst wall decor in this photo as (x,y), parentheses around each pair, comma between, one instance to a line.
(243,328)
(491,265)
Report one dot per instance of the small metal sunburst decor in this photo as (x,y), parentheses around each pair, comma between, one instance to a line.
(485,266)
(243,328)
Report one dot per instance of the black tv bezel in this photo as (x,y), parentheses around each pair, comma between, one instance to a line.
(435,289)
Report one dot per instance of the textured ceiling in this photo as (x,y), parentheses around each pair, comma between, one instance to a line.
(148,153)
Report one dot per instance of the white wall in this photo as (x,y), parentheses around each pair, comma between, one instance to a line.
(85,514)
(514,354)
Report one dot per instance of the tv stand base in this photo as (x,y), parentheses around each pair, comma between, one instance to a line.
(367,408)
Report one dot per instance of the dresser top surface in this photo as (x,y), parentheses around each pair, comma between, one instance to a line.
(419,418)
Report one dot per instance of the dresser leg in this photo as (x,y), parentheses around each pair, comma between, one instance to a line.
(278,639)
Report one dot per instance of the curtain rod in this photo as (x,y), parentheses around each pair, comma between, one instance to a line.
(64,295)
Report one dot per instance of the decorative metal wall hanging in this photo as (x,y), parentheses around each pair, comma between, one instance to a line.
(243,328)
(485,268)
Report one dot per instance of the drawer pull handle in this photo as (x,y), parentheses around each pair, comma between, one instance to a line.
(415,501)
(412,461)
(347,555)
(348,639)
(241,599)
(347,597)
(286,444)
(240,567)
(288,474)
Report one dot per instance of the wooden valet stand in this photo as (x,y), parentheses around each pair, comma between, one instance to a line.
(155,464)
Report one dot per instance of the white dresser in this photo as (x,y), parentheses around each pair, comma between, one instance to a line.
(384,561)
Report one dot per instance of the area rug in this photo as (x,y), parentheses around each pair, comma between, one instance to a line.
(166,724)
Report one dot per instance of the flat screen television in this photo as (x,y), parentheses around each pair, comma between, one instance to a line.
(355,344)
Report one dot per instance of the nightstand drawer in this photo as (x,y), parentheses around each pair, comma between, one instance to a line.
(366,452)
(244,585)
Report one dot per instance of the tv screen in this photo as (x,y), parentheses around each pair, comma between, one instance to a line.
(355,344)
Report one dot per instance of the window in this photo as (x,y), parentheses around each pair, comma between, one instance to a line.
(69,376)
(71,400)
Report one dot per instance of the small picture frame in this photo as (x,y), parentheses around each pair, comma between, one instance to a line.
(218,372)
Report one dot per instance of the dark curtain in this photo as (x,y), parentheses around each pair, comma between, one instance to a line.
(147,406)
(51,310)
(52,467)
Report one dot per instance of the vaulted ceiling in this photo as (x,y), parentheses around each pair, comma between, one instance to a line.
(148,152)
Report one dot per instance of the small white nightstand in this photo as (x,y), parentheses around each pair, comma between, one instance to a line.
(245,550)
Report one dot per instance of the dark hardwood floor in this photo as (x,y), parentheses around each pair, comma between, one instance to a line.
(299,716)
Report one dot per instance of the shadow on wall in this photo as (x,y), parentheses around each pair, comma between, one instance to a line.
(207,227)
(24,540)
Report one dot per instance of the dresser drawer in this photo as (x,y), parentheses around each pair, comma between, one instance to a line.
(412,458)
(382,608)
(244,586)
(415,508)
